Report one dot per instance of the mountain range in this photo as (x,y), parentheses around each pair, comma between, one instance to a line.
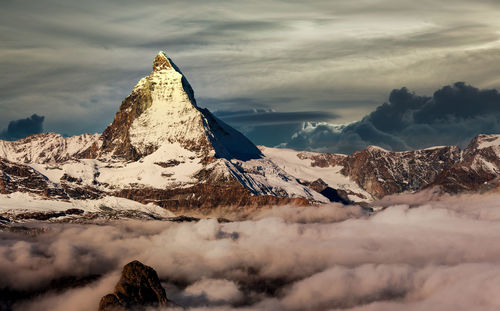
(164,152)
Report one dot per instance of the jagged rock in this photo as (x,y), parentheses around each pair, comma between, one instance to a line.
(381,172)
(334,195)
(478,166)
(138,287)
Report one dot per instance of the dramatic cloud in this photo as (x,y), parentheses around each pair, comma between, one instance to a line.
(77,60)
(424,251)
(259,117)
(23,127)
(452,116)
(269,127)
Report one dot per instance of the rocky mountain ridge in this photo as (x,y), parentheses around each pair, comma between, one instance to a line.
(163,149)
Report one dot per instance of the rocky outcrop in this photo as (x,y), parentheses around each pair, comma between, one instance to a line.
(17,177)
(381,172)
(479,165)
(323,159)
(139,287)
(334,195)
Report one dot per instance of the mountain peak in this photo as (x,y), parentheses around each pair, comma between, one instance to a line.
(161,111)
(161,62)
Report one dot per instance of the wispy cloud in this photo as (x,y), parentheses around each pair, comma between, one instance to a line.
(80,59)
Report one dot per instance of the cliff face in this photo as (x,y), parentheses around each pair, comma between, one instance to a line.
(381,172)
(477,169)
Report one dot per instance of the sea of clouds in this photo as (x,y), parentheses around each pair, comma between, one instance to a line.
(421,252)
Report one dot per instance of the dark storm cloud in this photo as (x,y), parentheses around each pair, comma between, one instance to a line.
(78,59)
(23,127)
(453,115)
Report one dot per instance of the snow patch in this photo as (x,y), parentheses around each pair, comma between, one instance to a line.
(19,202)
(486,141)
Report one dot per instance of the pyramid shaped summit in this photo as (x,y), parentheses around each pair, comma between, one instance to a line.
(162,110)
(161,61)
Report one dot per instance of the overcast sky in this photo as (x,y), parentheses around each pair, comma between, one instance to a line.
(332,61)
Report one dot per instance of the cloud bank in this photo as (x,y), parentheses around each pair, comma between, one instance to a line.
(23,127)
(452,116)
(440,254)
(269,127)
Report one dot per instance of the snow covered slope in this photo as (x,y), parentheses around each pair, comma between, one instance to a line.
(49,147)
(28,202)
(300,165)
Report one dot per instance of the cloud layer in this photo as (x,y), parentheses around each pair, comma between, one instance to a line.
(441,254)
(452,116)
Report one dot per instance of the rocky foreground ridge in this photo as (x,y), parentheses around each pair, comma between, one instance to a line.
(164,150)
(138,288)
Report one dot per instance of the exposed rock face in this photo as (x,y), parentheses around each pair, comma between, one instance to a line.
(381,172)
(17,177)
(323,159)
(479,165)
(138,287)
(334,195)
(205,197)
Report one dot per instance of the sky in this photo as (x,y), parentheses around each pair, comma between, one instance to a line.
(284,73)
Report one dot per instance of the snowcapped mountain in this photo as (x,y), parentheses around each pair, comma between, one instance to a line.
(161,148)
(164,150)
(162,111)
